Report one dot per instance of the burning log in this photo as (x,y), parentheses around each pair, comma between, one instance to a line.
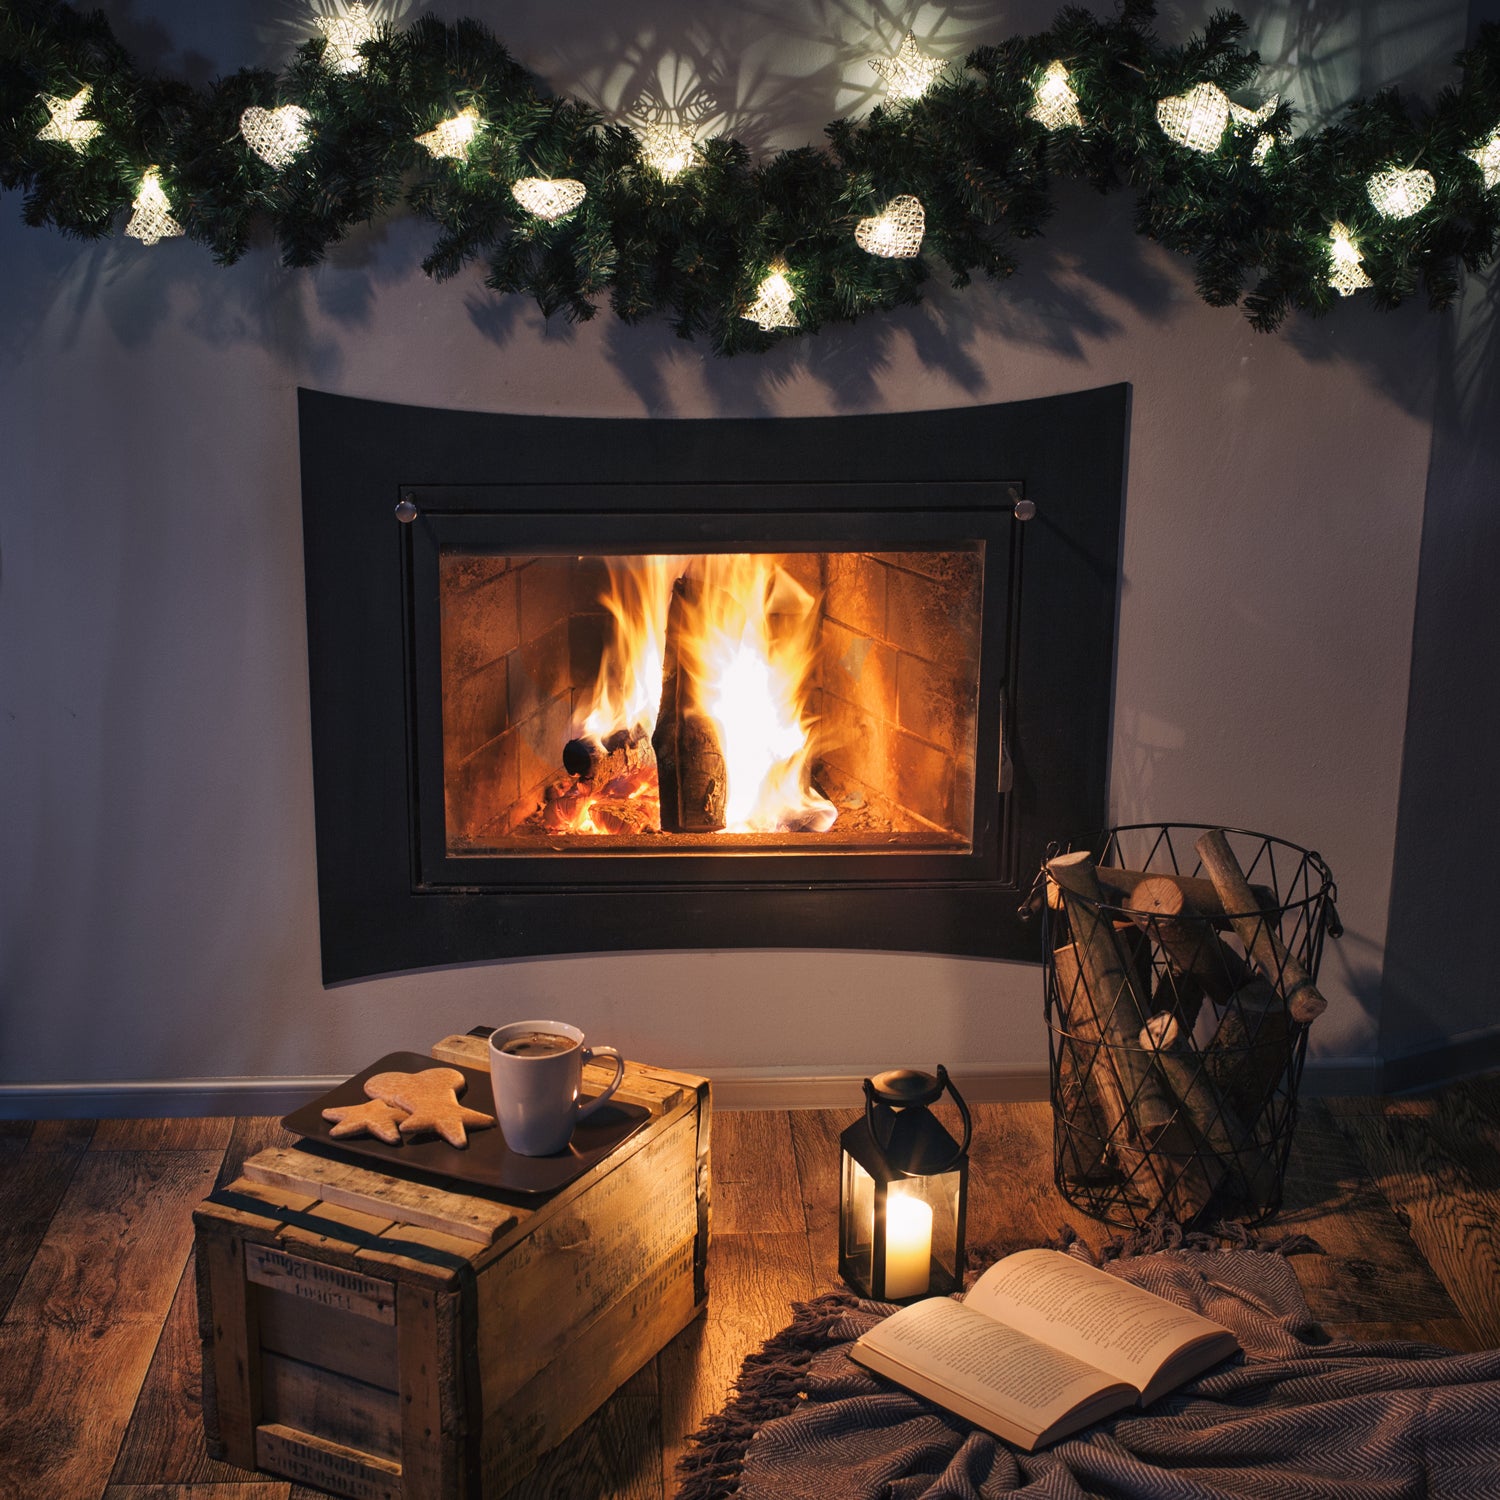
(597,762)
(690,765)
(1258,933)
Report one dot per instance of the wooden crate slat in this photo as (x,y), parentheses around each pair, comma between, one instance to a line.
(327,1336)
(641,1085)
(330,1466)
(352,1413)
(459,1214)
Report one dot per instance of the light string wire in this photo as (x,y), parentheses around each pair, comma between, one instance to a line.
(1255,209)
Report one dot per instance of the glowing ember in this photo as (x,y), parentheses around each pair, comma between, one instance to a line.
(747,644)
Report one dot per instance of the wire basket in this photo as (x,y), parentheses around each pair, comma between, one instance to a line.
(1177,1025)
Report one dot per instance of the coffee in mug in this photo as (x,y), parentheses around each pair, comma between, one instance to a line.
(537,1044)
(536,1068)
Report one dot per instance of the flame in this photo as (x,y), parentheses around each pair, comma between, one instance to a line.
(749,646)
(628,690)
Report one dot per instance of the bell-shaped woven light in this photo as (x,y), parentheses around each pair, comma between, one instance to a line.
(668,150)
(345,35)
(549,197)
(1055,105)
(1486,156)
(450,138)
(1400,192)
(275,135)
(910,73)
(1348,274)
(66,124)
(1196,119)
(152,219)
(896,231)
(774,297)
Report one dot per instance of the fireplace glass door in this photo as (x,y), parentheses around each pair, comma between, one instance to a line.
(748,686)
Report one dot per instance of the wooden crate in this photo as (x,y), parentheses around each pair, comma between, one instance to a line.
(387,1340)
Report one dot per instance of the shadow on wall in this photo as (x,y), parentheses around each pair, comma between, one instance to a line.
(773,73)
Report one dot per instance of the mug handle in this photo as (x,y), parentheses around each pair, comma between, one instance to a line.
(589,1055)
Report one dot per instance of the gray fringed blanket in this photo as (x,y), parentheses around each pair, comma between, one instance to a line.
(1293,1419)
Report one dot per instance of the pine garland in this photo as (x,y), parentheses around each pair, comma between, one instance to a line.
(1255,212)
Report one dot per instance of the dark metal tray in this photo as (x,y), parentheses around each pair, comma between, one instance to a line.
(486,1162)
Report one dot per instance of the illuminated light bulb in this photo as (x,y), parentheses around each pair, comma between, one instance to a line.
(772,307)
(668,150)
(1400,192)
(345,35)
(152,219)
(896,231)
(1348,274)
(450,138)
(1245,118)
(65,124)
(275,135)
(1486,156)
(1056,105)
(910,73)
(1196,119)
(549,197)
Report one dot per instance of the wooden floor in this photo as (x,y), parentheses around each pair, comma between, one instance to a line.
(99,1374)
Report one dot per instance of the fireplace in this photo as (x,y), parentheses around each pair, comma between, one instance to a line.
(591,685)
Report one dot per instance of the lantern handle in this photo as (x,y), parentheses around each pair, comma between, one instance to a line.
(943,1082)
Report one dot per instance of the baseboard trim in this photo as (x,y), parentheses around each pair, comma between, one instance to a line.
(140,1099)
(1460,1058)
(733,1088)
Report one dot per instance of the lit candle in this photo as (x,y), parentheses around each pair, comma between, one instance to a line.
(908,1246)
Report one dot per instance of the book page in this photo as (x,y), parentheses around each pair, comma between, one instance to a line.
(1096,1317)
(948,1351)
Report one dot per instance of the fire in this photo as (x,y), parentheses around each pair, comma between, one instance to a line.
(748,642)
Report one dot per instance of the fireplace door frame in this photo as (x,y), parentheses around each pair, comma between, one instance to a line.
(389,901)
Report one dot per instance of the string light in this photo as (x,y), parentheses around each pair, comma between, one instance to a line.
(345,35)
(1400,192)
(1348,274)
(668,150)
(1486,156)
(1199,118)
(275,135)
(910,73)
(549,197)
(896,231)
(450,138)
(66,125)
(1055,105)
(772,308)
(1196,119)
(1262,148)
(152,219)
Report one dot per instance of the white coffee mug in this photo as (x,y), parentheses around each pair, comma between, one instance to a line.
(536,1068)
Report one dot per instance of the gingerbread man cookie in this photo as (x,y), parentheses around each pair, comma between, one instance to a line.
(375,1118)
(431,1099)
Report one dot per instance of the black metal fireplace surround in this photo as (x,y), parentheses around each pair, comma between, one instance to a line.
(390,492)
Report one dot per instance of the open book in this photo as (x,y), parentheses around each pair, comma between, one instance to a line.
(1042,1345)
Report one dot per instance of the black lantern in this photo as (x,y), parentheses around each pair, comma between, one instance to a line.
(903,1190)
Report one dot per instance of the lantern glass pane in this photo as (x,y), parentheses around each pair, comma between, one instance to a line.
(856,1219)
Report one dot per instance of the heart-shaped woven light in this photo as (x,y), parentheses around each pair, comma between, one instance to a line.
(1400,192)
(549,197)
(668,150)
(1196,119)
(896,231)
(275,135)
(450,138)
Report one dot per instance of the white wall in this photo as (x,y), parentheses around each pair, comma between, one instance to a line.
(157,887)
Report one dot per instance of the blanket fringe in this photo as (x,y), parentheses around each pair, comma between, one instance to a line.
(769,1385)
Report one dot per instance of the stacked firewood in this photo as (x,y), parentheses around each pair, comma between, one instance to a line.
(1179,1009)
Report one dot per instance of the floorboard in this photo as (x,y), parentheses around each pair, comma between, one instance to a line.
(99,1353)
